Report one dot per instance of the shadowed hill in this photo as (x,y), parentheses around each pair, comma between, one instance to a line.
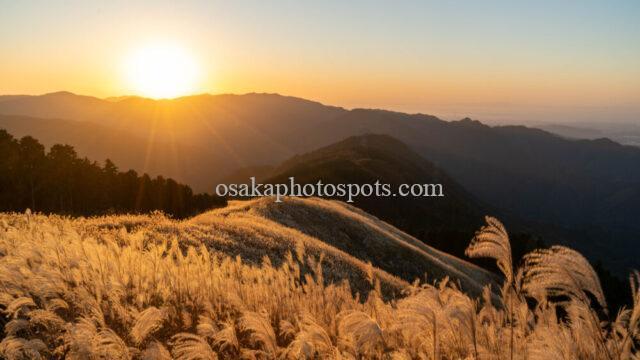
(446,222)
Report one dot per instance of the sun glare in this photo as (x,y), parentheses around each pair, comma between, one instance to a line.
(161,71)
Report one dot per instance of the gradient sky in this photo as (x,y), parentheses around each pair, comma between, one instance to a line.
(503,61)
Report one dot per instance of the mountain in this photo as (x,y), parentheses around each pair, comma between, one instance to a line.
(348,237)
(230,127)
(579,186)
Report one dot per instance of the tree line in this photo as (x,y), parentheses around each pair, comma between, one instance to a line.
(59,181)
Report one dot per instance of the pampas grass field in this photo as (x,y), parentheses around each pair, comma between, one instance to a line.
(148,287)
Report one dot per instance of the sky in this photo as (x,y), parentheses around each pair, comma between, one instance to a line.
(497,61)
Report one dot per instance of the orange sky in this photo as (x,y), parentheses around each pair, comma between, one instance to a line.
(493,62)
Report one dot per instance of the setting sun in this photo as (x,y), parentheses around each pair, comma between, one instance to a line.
(161,71)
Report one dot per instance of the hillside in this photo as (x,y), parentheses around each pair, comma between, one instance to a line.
(358,234)
(346,238)
(548,178)
(227,128)
(233,284)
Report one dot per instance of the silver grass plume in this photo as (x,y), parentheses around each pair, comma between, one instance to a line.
(492,241)
(360,330)
(19,348)
(227,338)
(191,347)
(111,346)
(312,339)
(560,271)
(206,327)
(147,322)
(628,321)
(261,331)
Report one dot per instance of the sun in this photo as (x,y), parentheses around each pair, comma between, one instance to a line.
(161,71)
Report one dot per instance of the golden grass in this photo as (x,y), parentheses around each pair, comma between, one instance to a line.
(147,287)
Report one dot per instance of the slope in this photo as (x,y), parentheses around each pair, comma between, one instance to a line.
(342,232)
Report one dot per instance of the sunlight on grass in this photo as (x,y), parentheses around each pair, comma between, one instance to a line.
(125,287)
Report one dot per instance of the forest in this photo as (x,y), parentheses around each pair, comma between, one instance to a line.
(60,181)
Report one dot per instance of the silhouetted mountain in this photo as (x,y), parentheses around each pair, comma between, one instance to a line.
(585,186)
(571,132)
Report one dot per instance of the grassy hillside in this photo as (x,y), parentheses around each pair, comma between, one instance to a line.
(146,287)
(360,235)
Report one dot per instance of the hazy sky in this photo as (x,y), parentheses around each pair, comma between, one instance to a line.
(492,60)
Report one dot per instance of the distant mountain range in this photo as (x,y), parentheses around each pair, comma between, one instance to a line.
(586,187)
